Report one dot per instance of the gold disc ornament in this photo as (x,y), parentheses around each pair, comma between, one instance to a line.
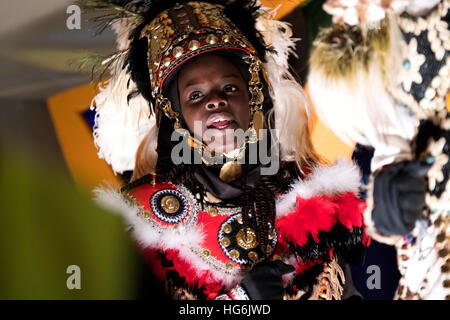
(246,238)
(231,171)
(170,204)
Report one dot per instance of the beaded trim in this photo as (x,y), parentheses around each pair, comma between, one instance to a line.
(227,268)
(237,293)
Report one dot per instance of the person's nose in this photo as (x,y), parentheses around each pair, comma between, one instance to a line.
(216,101)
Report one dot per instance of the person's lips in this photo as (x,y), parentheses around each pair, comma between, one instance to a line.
(220,121)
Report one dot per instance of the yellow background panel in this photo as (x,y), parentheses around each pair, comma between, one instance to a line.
(75,137)
(326,143)
(286,6)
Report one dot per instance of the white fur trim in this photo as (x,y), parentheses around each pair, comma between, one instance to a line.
(186,239)
(342,177)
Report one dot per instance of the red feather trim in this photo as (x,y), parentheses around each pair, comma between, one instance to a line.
(349,213)
(319,213)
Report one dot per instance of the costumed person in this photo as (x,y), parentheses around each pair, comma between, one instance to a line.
(218,217)
(384,66)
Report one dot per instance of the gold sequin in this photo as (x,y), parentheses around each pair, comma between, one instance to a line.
(227,228)
(225,242)
(193,45)
(239,219)
(252,255)
(177,51)
(211,39)
(229,266)
(146,214)
(206,253)
(234,254)
(170,204)
(213,211)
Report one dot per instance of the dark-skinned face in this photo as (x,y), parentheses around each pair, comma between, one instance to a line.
(213,94)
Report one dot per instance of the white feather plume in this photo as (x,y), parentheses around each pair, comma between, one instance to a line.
(120,125)
(289,100)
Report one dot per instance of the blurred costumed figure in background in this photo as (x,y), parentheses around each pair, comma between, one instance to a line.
(380,76)
(222,227)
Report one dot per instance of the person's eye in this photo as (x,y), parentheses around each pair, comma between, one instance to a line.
(195,95)
(231,88)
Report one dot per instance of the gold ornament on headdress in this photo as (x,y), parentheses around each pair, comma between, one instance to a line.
(184,31)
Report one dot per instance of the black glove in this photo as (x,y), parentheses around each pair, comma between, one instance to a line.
(264,281)
(399,197)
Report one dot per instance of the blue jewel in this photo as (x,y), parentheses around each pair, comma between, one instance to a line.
(407,64)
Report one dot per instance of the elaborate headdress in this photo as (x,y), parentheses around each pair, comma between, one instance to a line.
(156,37)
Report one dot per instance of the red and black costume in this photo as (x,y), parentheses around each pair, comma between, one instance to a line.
(228,231)
(197,244)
